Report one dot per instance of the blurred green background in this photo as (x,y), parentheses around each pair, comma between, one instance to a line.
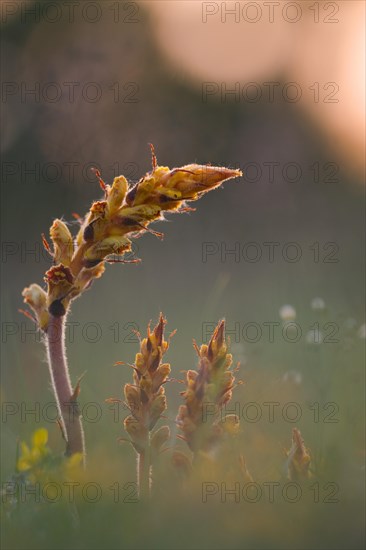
(134,58)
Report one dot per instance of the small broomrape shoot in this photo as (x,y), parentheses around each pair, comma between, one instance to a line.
(208,390)
(147,402)
(124,211)
(298,458)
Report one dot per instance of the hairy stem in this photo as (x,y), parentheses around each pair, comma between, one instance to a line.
(144,471)
(61,384)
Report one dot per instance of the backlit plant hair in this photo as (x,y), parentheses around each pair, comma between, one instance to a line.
(124,212)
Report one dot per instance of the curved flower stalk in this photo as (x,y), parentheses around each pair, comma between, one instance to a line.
(105,232)
(201,419)
(146,401)
(298,458)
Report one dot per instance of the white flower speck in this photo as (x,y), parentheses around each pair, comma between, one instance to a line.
(318,304)
(287,313)
(314,336)
(293,376)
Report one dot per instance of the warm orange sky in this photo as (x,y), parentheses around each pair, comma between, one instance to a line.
(214,41)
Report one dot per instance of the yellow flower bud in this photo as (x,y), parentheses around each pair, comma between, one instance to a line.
(36,298)
(117,193)
(140,362)
(132,218)
(63,245)
(101,249)
(193,179)
(142,192)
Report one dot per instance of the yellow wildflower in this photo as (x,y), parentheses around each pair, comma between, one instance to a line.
(31,457)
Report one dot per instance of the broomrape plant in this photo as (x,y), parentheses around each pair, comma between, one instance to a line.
(147,402)
(208,390)
(211,385)
(201,421)
(105,234)
(123,213)
(298,459)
